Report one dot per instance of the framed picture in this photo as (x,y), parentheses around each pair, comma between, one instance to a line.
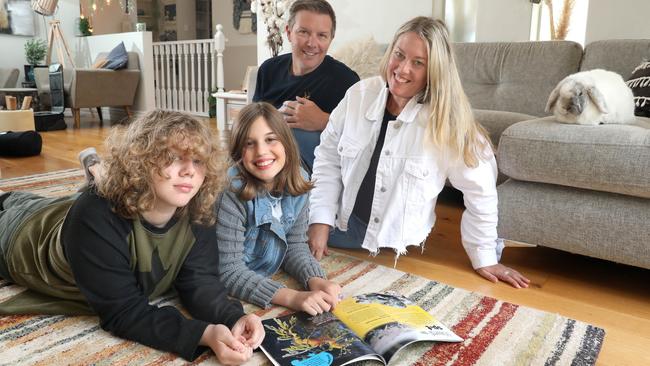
(16,17)
(170,12)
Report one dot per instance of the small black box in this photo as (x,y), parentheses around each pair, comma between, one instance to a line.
(49,121)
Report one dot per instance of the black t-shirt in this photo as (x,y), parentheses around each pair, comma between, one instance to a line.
(363,203)
(325,86)
(109,257)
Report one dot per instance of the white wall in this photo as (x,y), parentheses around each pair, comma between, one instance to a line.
(609,19)
(359,19)
(241,49)
(503,20)
(13,54)
(109,18)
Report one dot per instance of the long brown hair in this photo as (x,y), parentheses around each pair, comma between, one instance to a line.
(450,123)
(145,147)
(289,179)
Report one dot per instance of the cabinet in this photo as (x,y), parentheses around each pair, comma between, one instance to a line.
(148,13)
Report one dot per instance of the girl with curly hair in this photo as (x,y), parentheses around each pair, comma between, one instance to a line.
(147,226)
(262,217)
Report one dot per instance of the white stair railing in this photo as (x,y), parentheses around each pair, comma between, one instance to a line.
(186,72)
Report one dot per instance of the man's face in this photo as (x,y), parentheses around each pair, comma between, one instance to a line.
(310,37)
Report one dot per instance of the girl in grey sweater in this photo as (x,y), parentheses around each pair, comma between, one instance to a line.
(262,217)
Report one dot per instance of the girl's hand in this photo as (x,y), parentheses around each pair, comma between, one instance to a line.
(318,235)
(311,302)
(249,329)
(498,272)
(330,287)
(228,349)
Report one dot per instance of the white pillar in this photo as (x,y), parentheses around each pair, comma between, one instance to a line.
(219,46)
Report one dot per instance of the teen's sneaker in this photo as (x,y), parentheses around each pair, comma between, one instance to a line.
(88,157)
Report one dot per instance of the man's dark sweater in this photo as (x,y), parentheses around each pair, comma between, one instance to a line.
(325,86)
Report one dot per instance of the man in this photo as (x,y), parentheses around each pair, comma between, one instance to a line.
(306,84)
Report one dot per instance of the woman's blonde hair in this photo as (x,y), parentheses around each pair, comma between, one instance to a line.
(146,147)
(289,179)
(450,123)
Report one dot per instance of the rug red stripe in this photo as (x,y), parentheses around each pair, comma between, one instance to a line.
(441,353)
(469,355)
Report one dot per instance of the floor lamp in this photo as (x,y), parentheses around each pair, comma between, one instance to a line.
(47,8)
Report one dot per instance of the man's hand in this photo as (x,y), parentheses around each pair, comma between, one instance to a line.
(498,272)
(329,287)
(228,349)
(318,235)
(304,114)
(249,330)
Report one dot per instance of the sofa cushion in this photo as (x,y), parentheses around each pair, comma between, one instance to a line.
(495,122)
(117,58)
(609,158)
(639,82)
(515,76)
(619,55)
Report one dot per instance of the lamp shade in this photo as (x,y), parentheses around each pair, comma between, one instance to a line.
(44,7)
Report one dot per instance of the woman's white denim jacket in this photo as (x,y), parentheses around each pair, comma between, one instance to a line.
(410,174)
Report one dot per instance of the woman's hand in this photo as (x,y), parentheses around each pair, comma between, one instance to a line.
(330,287)
(498,272)
(318,235)
(228,349)
(249,330)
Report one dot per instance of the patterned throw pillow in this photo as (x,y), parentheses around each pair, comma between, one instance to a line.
(639,82)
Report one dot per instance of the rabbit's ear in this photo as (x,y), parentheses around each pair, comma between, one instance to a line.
(552,98)
(597,98)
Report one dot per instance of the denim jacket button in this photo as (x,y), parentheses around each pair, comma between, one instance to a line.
(383,189)
(388,153)
(376,220)
(397,125)
(340,148)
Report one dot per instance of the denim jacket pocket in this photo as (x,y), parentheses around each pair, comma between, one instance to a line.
(417,189)
(416,176)
(348,153)
(264,253)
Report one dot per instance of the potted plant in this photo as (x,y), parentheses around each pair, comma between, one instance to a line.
(35,51)
(84,27)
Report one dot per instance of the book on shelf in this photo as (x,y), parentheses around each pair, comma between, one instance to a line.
(373,326)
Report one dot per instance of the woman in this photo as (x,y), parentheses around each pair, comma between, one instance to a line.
(390,145)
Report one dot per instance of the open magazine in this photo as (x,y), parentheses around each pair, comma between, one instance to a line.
(366,327)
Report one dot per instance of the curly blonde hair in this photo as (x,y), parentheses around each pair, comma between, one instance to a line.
(290,178)
(146,147)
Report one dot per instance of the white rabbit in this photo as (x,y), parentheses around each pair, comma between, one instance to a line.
(592,97)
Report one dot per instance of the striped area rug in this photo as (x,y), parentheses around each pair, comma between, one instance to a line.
(495,332)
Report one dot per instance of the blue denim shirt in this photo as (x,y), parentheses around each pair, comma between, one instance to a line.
(265,243)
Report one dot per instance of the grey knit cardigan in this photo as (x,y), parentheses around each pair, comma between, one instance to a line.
(244,283)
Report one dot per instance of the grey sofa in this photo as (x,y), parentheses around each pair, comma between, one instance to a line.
(582,189)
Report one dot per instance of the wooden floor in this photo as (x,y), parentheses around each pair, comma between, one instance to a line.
(612,296)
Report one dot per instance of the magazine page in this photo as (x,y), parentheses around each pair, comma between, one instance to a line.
(300,339)
(389,322)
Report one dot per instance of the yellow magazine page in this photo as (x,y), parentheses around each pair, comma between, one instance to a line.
(366,312)
(390,322)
